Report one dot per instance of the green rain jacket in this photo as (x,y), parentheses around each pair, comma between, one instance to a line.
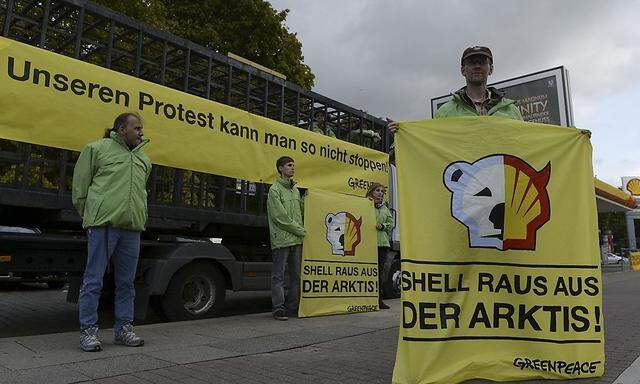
(499,106)
(384,218)
(367,137)
(320,128)
(109,184)
(284,211)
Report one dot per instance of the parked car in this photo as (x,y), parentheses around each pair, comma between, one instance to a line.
(612,258)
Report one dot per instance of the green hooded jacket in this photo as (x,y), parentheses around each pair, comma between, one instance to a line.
(367,137)
(109,184)
(320,128)
(499,106)
(384,218)
(284,211)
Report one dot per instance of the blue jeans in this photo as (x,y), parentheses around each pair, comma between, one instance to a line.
(123,246)
(282,256)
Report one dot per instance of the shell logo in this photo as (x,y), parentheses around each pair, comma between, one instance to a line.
(501,199)
(343,233)
(633,186)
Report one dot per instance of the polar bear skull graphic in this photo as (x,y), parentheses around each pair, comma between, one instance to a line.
(343,233)
(501,199)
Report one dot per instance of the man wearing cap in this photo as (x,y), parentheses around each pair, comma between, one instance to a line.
(476,99)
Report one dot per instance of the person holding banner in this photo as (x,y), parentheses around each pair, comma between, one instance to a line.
(476,99)
(286,230)
(384,224)
(109,192)
(321,126)
(369,136)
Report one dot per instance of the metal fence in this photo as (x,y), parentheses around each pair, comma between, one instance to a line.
(40,177)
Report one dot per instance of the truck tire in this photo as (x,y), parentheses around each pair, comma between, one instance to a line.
(195,292)
(391,288)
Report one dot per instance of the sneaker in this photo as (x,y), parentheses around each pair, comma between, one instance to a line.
(127,337)
(382,305)
(280,315)
(89,341)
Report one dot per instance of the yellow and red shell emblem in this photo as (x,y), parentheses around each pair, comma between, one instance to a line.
(343,233)
(633,186)
(501,199)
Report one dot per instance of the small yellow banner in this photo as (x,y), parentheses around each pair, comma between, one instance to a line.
(339,255)
(500,272)
(634,259)
(57,101)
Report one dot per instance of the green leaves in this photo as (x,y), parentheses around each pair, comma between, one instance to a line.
(252,29)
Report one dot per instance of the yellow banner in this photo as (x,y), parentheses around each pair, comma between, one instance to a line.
(634,259)
(501,273)
(339,255)
(57,101)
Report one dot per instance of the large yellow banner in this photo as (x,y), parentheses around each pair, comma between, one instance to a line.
(57,101)
(339,271)
(500,273)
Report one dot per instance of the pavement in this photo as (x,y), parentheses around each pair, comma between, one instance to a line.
(33,309)
(254,348)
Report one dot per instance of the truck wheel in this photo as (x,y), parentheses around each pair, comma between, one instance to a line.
(392,284)
(195,292)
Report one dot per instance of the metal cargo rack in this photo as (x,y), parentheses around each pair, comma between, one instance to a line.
(39,178)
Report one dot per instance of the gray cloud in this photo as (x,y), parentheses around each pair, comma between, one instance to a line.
(391,57)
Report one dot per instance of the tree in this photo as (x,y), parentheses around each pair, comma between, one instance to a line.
(252,29)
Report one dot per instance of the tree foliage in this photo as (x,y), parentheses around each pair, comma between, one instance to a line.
(252,29)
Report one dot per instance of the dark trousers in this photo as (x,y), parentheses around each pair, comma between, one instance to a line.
(382,258)
(281,256)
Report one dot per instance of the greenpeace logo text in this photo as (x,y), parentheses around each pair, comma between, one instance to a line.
(559,366)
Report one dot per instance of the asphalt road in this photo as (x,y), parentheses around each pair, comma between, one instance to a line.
(33,309)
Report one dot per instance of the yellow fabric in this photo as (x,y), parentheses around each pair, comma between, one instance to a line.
(635,261)
(65,103)
(500,261)
(339,255)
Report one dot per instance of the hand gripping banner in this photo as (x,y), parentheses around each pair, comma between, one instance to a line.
(500,274)
(339,256)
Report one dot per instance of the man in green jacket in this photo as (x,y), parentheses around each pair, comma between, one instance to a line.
(320,125)
(286,229)
(369,137)
(476,99)
(109,192)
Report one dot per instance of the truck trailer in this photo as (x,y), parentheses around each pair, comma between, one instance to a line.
(206,233)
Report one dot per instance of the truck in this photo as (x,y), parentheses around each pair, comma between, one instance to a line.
(206,233)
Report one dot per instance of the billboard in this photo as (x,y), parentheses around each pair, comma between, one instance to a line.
(542,97)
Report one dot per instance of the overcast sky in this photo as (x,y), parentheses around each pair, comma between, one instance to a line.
(391,57)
